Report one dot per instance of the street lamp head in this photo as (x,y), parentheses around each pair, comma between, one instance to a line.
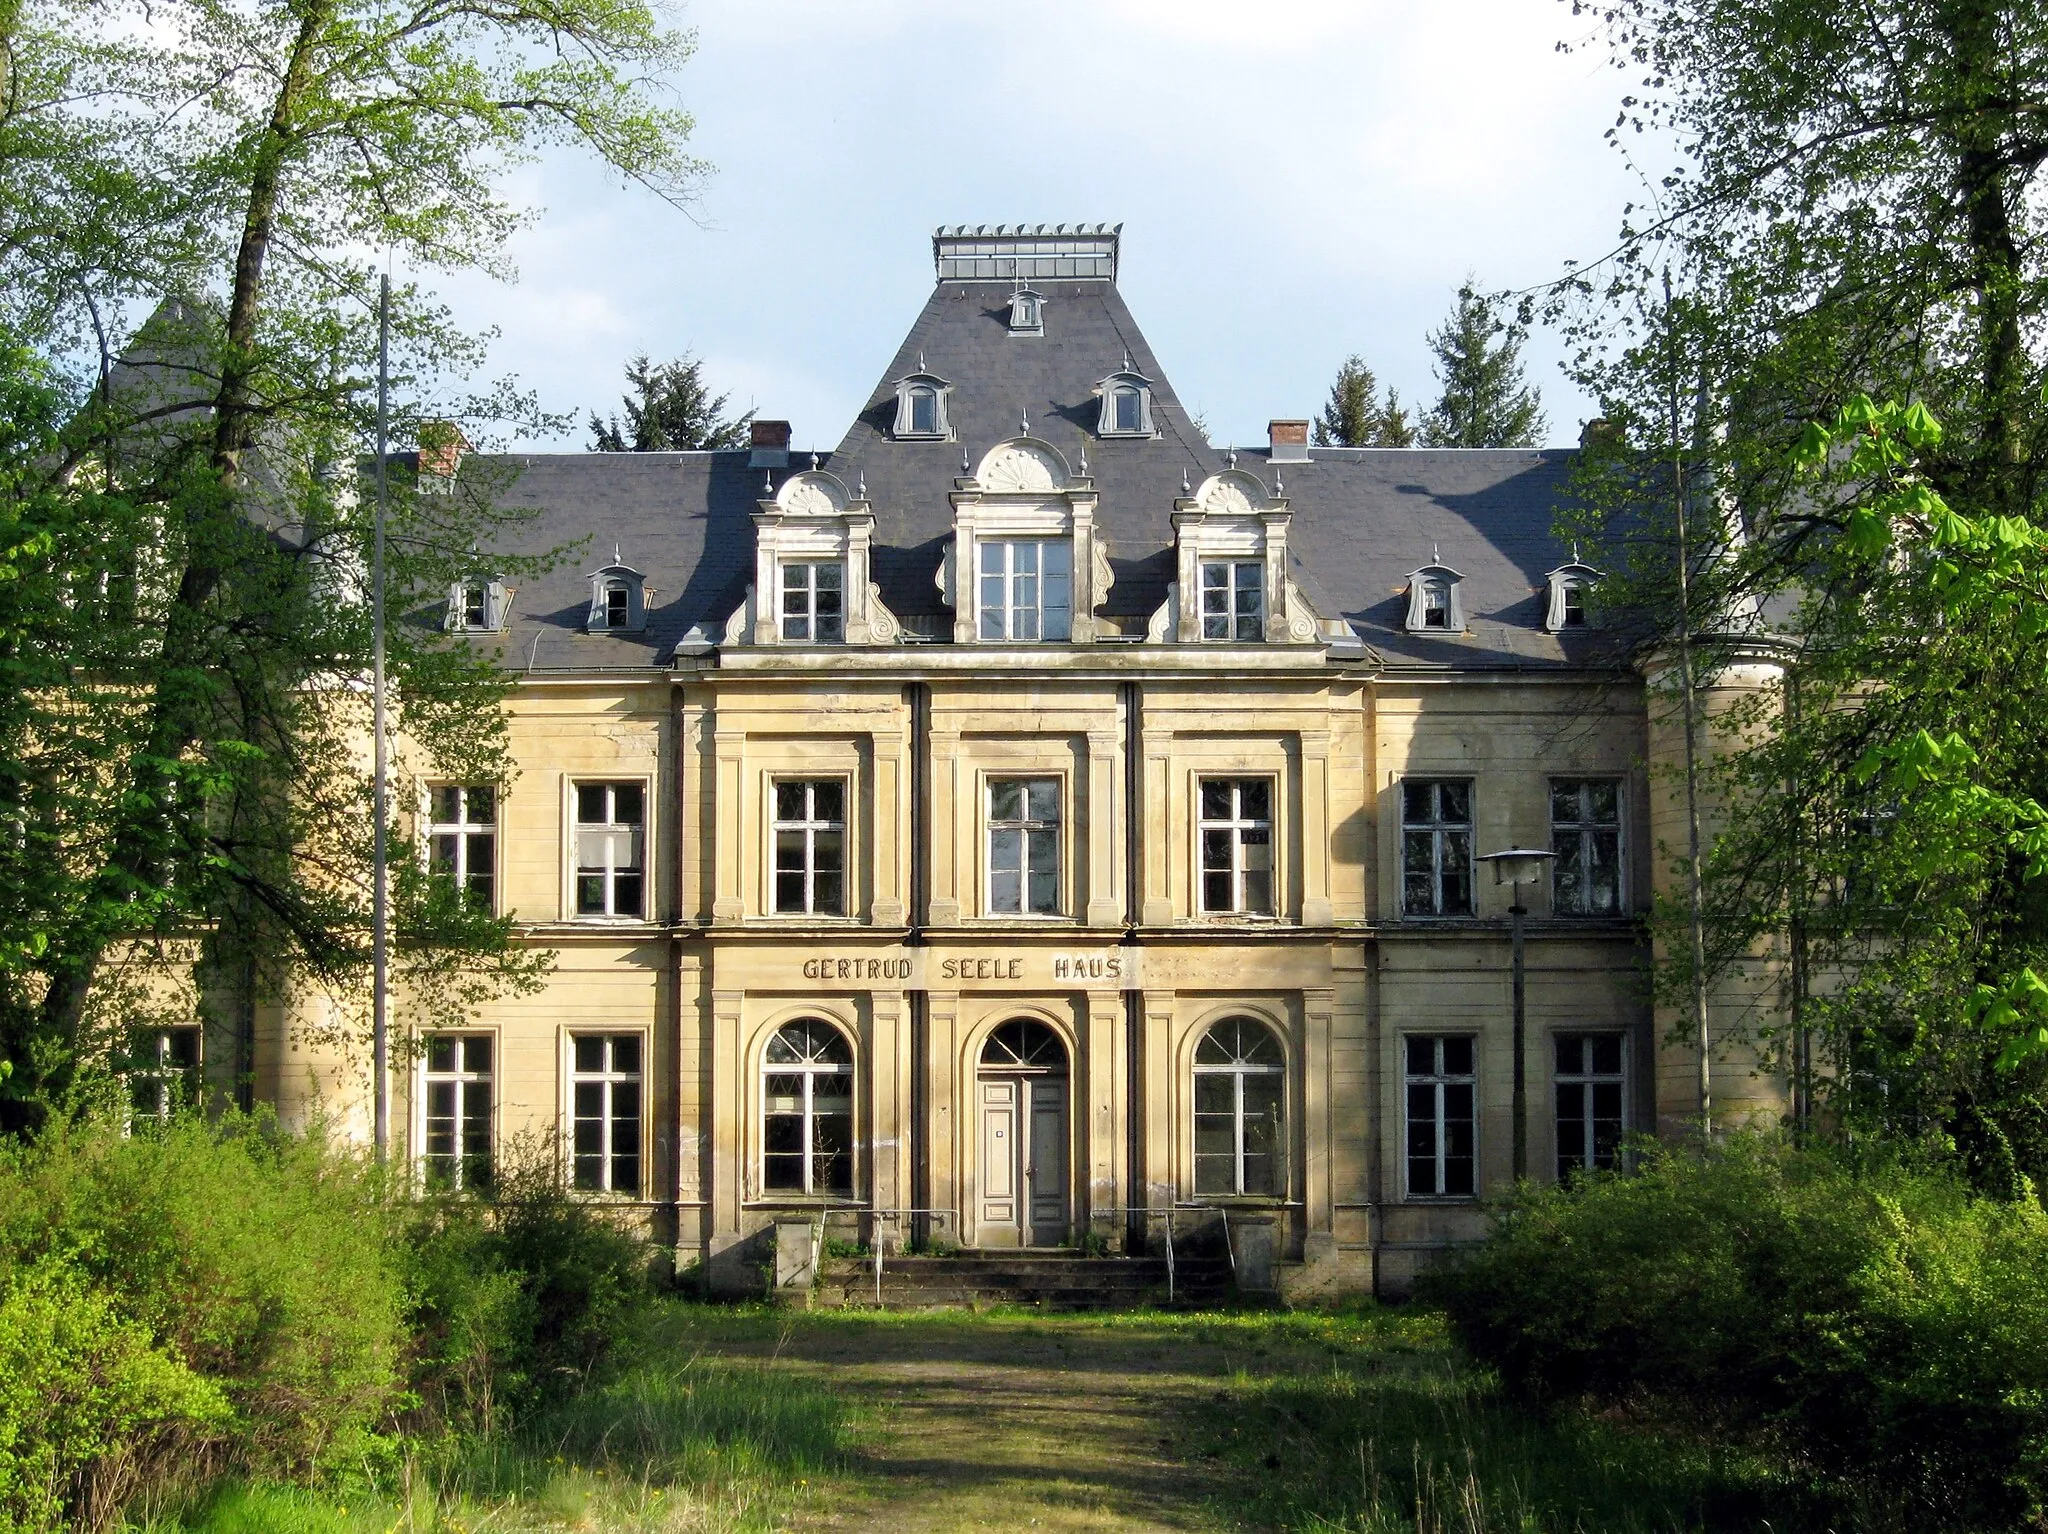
(1518,865)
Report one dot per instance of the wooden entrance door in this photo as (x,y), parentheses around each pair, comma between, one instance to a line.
(1022,1106)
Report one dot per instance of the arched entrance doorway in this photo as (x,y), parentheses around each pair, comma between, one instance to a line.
(1021,1096)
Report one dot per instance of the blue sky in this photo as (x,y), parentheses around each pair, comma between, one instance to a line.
(1297,180)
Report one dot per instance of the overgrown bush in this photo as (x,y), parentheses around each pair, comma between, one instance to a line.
(1874,1322)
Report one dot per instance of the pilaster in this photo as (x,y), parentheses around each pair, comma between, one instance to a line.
(951,783)
(1316,907)
(1105,863)
(729,860)
(1107,1071)
(891,776)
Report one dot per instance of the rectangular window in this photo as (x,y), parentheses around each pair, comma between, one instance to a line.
(475,605)
(1436,848)
(810,848)
(1130,411)
(163,1073)
(1237,845)
(1436,605)
(611,848)
(457,1141)
(1234,601)
(1441,1088)
(1592,1101)
(462,839)
(1024,847)
(813,603)
(1585,833)
(604,1103)
(1027,589)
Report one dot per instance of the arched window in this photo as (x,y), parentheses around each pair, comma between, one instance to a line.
(1240,1092)
(924,412)
(617,605)
(1129,410)
(1023,1045)
(807,1110)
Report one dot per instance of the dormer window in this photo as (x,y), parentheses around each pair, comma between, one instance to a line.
(618,599)
(1433,602)
(477,606)
(813,602)
(1027,589)
(1234,600)
(1126,405)
(921,406)
(1027,313)
(1570,588)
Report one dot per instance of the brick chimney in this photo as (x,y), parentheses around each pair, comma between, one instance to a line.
(770,444)
(1601,432)
(1289,441)
(442,447)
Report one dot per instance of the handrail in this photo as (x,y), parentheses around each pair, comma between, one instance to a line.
(1229,1246)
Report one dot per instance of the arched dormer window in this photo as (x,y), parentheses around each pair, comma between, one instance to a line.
(1027,313)
(1571,588)
(1434,606)
(1126,405)
(477,605)
(921,411)
(618,600)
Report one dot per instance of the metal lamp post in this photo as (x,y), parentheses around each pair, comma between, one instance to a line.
(1516,867)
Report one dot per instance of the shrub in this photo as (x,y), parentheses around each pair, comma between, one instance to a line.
(1876,1322)
(88,1402)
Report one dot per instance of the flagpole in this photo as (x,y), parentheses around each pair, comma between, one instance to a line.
(380,907)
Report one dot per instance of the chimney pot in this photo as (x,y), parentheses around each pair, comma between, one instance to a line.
(770,445)
(1288,441)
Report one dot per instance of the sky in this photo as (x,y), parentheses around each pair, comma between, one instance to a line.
(1297,180)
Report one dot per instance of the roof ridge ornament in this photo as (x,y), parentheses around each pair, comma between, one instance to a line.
(920,359)
(615,555)
(1434,557)
(966,467)
(1024,422)
(1230,456)
(767,481)
(1186,485)
(814,460)
(861,490)
(1279,485)
(1083,470)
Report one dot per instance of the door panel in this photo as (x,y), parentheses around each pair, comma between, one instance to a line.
(1001,1164)
(1048,1161)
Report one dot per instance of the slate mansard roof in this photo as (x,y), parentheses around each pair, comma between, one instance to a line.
(1362,518)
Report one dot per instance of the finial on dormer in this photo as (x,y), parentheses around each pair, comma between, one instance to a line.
(1230,457)
(1186,486)
(615,555)
(1434,557)
(860,490)
(920,359)
(1575,551)
(1127,359)
(767,481)
(965,466)
(1024,422)
(1279,483)
(1084,461)
(814,461)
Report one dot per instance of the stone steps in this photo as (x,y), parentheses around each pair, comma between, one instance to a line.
(1051,1280)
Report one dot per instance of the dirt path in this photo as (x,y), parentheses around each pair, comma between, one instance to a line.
(1031,1423)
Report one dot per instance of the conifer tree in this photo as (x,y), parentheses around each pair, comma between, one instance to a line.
(1397,428)
(1351,418)
(1486,401)
(671,410)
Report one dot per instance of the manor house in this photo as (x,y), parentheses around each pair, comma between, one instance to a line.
(1026,824)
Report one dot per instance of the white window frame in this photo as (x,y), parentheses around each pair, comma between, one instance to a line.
(807,1114)
(1232,618)
(465,831)
(161,1076)
(810,621)
(572,860)
(461,1079)
(1587,1080)
(809,826)
(1237,1070)
(618,605)
(608,1078)
(1236,823)
(1585,830)
(1028,827)
(1438,1079)
(1439,829)
(1013,611)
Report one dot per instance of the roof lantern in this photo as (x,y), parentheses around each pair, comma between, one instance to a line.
(1024,252)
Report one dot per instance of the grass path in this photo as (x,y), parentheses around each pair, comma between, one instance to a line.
(1018,1422)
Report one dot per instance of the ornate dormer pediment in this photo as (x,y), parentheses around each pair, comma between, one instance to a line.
(1232,586)
(1024,539)
(812,545)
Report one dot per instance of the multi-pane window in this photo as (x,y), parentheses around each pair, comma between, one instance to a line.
(457,1139)
(1585,833)
(1236,827)
(1436,604)
(1027,589)
(611,848)
(813,602)
(807,1110)
(810,847)
(604,1111)
(1129,410)
(1573,611)
(1234,600)
(1024,846)
(1592,1101)
(1240,1077)
(1436,847)
(924,412)
(1440,1099)
(462,839)
(163,1071)
(618,608)
(475,605)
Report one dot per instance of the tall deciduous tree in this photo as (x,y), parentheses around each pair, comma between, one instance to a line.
(1857,213)
(1486,400)
(671,410)
(182,773)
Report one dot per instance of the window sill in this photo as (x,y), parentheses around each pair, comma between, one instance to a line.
(1441,1201)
